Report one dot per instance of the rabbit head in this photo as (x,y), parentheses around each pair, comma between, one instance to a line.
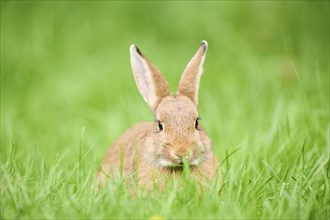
(177,134)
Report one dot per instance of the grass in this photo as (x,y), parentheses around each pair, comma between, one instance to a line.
(67,92)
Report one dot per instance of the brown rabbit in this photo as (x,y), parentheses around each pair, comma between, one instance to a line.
(151,151)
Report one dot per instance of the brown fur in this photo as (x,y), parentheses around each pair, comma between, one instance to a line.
(151,155)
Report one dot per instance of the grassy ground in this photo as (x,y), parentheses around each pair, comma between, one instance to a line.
(67,92)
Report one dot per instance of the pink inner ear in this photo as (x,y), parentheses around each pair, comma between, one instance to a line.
(142,75)
(147,77)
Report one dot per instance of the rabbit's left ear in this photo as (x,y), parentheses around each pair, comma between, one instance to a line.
(189,82)
(150,82)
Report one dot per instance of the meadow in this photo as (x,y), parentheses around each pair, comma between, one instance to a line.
(67,92)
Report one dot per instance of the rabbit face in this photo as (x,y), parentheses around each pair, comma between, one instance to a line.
(177,136)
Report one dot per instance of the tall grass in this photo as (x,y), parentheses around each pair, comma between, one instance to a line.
(67,92)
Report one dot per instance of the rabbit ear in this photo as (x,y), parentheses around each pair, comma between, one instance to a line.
(150,82)
(189,82)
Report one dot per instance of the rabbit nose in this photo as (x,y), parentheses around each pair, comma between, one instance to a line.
(179,157)
(184,154)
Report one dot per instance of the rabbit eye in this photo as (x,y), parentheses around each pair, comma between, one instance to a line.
(160,125)
(196,123)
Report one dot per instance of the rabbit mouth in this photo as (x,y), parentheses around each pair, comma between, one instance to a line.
(169,163)
(177,165)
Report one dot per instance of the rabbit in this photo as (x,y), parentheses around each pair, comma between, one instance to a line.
(151,151)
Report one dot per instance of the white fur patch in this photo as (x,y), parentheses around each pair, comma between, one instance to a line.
(196,161)
(166,163)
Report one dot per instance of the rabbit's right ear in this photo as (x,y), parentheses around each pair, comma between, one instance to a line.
(189,82)
(150,82)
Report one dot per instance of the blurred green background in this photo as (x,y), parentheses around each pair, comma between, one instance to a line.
(65,66)
(67,86)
